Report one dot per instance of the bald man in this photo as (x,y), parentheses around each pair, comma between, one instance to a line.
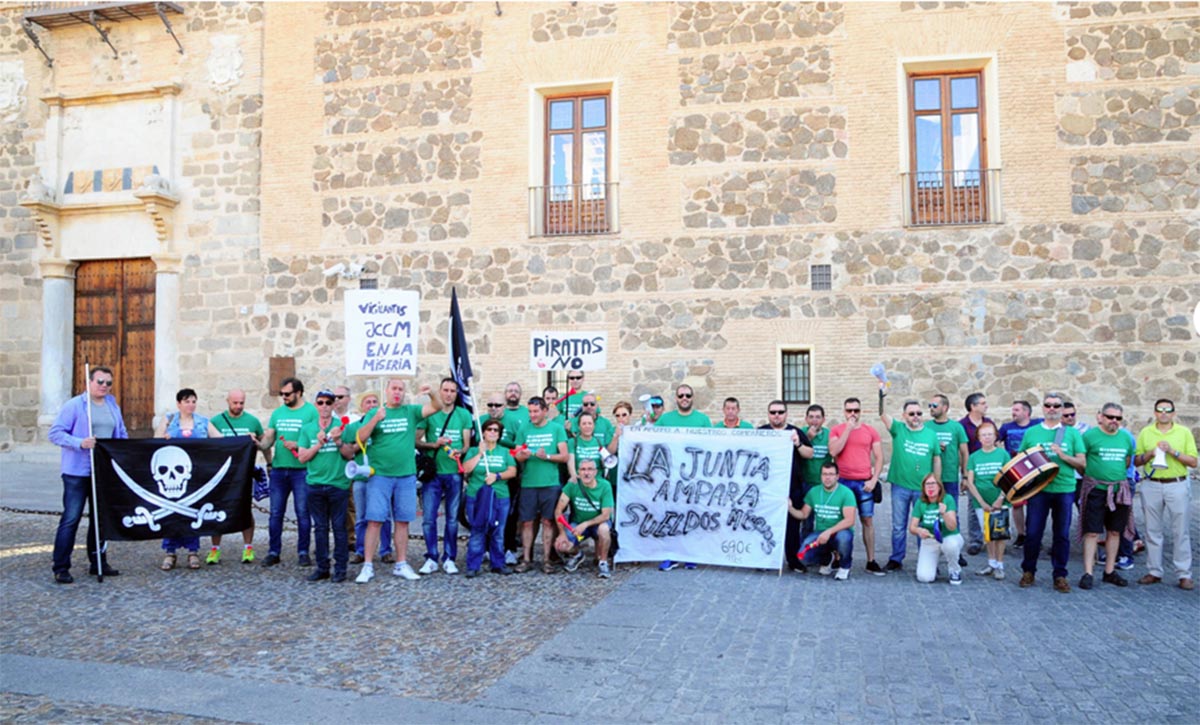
(235,421)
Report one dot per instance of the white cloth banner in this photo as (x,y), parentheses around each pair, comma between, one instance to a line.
(703,495)
(568,350)
(381,331)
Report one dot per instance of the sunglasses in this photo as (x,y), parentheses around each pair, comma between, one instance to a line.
(495,405)
(915,414)
(286,393)
(1164,410)
(574,377)
(324,401)
(853,410)
(1052,406)
(1113,417)
(776,412)
(1068,415)
(340,397)
(587,403)
(103,383)
(683,395)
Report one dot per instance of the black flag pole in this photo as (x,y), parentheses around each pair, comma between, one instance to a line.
(87,398)
(460,369)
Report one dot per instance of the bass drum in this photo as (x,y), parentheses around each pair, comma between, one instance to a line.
(1025,475)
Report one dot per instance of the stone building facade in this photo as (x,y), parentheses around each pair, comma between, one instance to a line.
(294,151)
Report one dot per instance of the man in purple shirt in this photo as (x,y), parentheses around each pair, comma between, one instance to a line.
(976,405)
(77,434)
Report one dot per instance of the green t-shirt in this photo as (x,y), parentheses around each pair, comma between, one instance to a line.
(541,473)
(571,403)
(812,466)
(348,435)
(460,420)
(327,468)
(242,425)
(675,419)
(287,423)
(720,423)
(586,451)
(395,441)
(827,505)
(514,421)
(604,429)
(952,434)
(912,455)
(985,466)
(508,437)
(497,462)
(586,503)
(1072,445)
(928,513)
(1106,455)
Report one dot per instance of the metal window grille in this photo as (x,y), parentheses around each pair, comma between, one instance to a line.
(368,283)
(797,377)
(821,276)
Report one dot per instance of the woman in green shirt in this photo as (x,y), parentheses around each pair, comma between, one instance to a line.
(935,522)
(492,466)
(982,467)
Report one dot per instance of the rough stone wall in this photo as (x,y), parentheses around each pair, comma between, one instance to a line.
(1167,49)
(573,21)
(774,134)
(752,75)
(380,109)
(761,198)
(354,13)
(407,161)
(380,52)
(1124,116)
(696,25)
(1136,183)
(401,219)
(1110,10)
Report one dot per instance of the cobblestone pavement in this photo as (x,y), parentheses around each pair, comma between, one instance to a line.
(710,645)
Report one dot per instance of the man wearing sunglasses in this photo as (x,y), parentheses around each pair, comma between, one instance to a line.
(684,415)
(798,487)
(573,400)
(1063,445)
(76,434)
(1166,450)
(915,454)
(1105,496)
(858,451)
(289,475)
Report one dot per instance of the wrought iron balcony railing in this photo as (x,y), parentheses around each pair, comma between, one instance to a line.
(943,198)
(574,209)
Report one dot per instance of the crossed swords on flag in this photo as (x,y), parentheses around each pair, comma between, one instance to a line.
(166,507)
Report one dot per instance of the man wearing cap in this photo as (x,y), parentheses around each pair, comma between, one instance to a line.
(654,410)
(341,411)
(1165,451)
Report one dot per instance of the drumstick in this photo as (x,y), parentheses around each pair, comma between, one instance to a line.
(800,554)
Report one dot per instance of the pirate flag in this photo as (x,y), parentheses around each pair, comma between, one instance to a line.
(155,488)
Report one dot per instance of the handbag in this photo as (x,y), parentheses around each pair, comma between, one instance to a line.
(426,468)
(996,525)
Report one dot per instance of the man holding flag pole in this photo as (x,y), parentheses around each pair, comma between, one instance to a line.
(90,415)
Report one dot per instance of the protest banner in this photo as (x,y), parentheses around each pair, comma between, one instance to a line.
(381,332)
(705,496)
(153,488)
(567,350)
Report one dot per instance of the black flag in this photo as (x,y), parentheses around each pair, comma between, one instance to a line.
(155,488)
(460,363)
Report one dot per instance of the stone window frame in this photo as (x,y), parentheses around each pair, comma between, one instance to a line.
(539,96)
(789,358)
(987,66)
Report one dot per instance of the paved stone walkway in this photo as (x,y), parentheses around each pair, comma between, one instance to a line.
(234,643)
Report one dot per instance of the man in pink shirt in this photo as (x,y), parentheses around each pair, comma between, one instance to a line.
(858,451)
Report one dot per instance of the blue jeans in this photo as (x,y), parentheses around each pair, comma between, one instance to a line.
(285,482)
(1037,510)
(842,542)
(171,543)
(360,523)
(491,540)
(76,491)
(444,487)
(902,503)
(327,504)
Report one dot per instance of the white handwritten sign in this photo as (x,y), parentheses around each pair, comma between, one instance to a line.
(568,350)
(381,332)
(705,496)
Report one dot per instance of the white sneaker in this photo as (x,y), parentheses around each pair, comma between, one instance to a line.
(403,570)
(510,558)
(449,567)
(604,572)
(842,575)
(429,567)
(366,574)
(985,570)
(825,570)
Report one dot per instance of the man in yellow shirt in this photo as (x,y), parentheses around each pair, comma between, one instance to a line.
(1165,451)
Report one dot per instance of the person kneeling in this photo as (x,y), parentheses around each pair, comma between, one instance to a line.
(591,503)
(935,522)
(833,507)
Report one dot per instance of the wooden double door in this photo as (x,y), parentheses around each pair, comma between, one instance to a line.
(114,327)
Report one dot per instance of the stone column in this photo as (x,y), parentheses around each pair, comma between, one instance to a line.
(58,336)
(166,321)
